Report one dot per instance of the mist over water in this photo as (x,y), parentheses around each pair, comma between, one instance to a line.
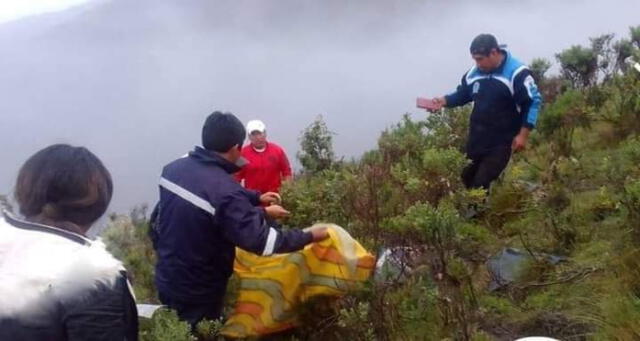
(134,80)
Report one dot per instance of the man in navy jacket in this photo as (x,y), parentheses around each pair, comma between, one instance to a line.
(506,103)
(203,214)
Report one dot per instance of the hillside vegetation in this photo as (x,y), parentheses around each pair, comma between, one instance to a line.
(574,193)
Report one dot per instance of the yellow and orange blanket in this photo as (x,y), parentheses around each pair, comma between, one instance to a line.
(271,287)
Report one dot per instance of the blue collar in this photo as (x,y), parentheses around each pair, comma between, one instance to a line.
(500,67)
(206,156)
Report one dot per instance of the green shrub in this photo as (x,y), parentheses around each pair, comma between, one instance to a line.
(165,326)
(131,244)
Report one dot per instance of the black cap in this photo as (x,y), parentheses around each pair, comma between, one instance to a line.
(221,131)
(483,44)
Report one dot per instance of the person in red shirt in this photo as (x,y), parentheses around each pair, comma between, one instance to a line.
(268,164)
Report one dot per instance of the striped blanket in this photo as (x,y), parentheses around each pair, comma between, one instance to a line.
(271,287)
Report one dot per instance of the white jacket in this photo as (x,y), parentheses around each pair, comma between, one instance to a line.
(62,281)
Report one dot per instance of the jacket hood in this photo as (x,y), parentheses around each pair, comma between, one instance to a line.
(41,264)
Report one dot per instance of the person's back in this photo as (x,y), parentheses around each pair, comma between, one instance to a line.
(195,259)
(55,284)
(203,214)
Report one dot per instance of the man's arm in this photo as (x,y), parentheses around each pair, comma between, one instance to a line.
(529,100)
(460,97)
(457,98)
(285,167)
(239,176)
(254,196)
(244,226)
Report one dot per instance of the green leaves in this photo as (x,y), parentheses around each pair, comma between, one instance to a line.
(538,67)
(165,326)
(579,65)
(434,175)
(434,225)
(316,147)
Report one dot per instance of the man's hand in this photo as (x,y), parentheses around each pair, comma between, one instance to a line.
(439,103)
(276,211)
(319,234)
(270,198)
(520,141)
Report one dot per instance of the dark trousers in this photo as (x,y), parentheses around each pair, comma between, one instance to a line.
(486,168)
(193,312)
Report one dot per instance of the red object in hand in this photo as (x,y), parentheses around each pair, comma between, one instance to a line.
(425,103)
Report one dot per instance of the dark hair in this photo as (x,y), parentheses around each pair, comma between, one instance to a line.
(221,131)
(63,183)
(483,44)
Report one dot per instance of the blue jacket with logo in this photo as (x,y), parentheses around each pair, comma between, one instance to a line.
(202,215)
(504,100)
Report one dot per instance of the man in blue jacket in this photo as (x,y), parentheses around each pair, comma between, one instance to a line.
(506,103)
(203,214)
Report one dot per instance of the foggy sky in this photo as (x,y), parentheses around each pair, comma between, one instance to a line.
(134,80)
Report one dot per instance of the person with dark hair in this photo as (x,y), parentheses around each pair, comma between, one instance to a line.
(55,283)
(203,214)
(506,103)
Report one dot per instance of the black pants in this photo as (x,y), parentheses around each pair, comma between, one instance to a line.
(485,168)
(193,312)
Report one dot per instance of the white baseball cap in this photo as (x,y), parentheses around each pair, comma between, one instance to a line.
(256,125)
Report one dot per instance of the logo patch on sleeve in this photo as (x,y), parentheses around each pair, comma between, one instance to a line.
(530,84)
